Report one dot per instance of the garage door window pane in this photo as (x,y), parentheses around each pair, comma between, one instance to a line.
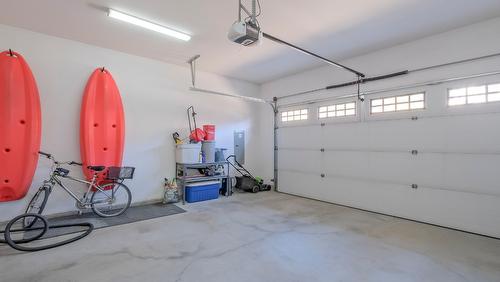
(398,103)
(377,102)
(402,99)
(417,105)
(476,99)
(390,108)
(494,92)
(403,107)
(377,109)
(294,115)
(457,92)
(417,97)
(391,100)
(476,90)
(494,97)
(493,88)
(474,95)
(338,110)
(457,101)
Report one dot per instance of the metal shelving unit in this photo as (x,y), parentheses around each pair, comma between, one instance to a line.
(183,178)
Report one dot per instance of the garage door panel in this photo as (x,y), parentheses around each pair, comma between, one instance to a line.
(404,135)
(348,164)
(456,134)
(302,184)
(300,160)
(390,167)
(428,170)
(299,137)
(474,173)
(470,173)
(472,133)
(452,179)
(427,205)
(349,135)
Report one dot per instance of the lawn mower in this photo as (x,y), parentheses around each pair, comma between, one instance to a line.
(247,182)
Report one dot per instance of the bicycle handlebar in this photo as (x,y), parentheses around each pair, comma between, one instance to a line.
(45,154)
(49,156)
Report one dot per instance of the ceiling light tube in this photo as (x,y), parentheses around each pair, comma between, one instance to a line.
(148,25)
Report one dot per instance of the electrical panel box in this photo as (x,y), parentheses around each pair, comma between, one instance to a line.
(239,146)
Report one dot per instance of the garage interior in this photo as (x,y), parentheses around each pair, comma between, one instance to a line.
(249,140)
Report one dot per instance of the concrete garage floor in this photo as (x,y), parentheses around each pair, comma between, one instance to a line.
(264,237)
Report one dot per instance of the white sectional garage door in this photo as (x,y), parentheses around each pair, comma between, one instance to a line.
(439,165)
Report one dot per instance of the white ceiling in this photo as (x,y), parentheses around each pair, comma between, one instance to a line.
(333,28)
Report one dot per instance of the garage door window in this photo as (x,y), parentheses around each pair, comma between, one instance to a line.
(474,95)
(295,115)
(338,110)
(398,103)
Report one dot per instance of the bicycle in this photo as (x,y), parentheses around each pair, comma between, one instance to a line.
(107,199)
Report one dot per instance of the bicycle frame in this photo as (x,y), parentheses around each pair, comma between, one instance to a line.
(55,178)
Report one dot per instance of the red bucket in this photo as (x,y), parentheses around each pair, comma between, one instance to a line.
(209,132)
(197,135)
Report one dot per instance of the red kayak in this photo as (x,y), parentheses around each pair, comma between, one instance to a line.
(20,126)
(102,123)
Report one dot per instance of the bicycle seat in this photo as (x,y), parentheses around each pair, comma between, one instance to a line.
(96,168)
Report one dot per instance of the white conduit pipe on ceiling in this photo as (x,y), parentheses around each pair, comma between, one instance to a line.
(248,98)
(192,64)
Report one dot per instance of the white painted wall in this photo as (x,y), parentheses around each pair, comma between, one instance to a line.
(378,181)
(155,99)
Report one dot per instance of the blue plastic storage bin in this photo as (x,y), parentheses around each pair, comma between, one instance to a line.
(202,191)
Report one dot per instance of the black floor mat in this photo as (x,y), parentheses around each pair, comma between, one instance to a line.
(133,214)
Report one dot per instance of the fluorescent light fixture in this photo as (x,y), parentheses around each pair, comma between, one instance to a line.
(148,25)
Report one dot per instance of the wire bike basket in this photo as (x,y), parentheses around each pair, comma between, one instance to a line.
(120,173)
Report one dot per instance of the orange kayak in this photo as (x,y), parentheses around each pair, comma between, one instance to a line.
(102,123)
(20,126)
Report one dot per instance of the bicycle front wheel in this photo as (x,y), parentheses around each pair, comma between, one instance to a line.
(112,201)
(36,205)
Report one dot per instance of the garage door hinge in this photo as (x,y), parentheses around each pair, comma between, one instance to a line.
(276,148)
(323,124)
(322,149)
(414,152)
(414,118)
(414,186)
(323,175)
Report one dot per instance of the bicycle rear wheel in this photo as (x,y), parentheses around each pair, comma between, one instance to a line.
(36,205)
(113,201)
